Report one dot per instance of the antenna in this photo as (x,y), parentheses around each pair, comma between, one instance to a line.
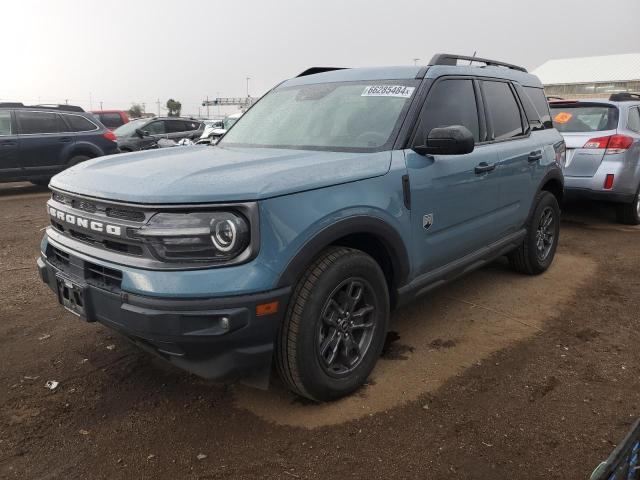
(473,56)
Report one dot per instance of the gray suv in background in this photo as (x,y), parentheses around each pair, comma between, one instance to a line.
(142,133)
(603,150)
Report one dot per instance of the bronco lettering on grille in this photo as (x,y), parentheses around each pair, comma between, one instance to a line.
(86,223)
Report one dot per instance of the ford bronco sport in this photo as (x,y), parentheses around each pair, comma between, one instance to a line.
(291,243)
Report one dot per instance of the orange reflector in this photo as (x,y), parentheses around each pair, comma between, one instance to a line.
(608,181)
(562,117)
(267,308)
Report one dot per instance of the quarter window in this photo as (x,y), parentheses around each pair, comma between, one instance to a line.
(503,110)
(634,119)
(39,122)
(539,100)
(79,124)
(5,122)
(450,102)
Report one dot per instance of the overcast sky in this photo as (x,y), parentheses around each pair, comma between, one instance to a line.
(124,51)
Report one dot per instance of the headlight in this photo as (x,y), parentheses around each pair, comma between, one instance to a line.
(196,237)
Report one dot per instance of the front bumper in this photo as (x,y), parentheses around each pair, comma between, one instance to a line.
(215,338)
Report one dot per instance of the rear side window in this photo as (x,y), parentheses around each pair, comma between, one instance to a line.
(584,117)
(79,124)
(192,125)
(633,123)
(539,100)
(502,108)
(175,126)
(450,102)
(39,122)
(5,122)
(110,120)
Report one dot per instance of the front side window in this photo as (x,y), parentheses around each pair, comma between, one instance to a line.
(130,128)
(344,116)
(79,124)
(450,102)
(5,122)
(503,110)
(39,122)
(155,128)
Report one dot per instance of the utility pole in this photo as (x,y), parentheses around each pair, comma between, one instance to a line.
(144,107)
(158,103)
(415,61)
(248,78)
(100,105)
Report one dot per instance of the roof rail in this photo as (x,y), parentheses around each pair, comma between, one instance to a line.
(452,60)
(55,106)
(624,97)
(554,97)
(10,104)
(314,70)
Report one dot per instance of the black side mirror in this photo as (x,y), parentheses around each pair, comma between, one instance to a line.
(139,132)
(452,140)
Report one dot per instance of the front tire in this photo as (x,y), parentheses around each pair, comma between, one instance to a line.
(77,159)
(629,213)
(335,327)
(538,248)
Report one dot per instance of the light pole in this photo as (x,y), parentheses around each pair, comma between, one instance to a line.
(415,61)
(100,105)
(248,78)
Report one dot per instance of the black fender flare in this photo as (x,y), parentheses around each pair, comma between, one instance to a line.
(553,174)
(84,148)
(388,236)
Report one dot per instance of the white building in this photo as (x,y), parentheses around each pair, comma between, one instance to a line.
(589,77)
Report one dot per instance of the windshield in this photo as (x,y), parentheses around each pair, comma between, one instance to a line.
(584,117)
(129,128)
(347,116)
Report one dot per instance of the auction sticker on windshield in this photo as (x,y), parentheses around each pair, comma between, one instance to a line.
(388,91)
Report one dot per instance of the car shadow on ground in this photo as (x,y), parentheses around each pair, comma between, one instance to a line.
(20,188)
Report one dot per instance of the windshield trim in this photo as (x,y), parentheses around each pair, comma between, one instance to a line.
(387,146)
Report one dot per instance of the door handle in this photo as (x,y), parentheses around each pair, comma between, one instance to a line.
(484,167)
(9,143)
(535,156)
(65,140)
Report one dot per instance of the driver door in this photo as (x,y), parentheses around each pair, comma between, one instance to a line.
(453,197)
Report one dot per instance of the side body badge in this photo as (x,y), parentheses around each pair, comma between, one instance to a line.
(427,221)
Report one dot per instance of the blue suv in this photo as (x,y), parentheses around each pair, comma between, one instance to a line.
(341,194)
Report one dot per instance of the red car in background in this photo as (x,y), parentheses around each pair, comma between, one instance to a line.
(111,119)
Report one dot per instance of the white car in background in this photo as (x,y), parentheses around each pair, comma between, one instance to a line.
(215,129)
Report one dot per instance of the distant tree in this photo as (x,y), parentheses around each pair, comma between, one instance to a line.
(173,108)
(135,111)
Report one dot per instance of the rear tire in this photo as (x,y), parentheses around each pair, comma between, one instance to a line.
(335,326)
(538,248)
(629,213)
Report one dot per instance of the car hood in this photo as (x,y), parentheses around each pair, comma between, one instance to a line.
(202,174)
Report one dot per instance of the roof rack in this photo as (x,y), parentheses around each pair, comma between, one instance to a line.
(554,97)
(624,97)
(10,104)
(314,70)
(452,60)
(56,106)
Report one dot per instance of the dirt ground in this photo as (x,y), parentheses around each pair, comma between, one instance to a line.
(494,376)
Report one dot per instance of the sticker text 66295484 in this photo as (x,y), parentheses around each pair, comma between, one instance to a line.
(388,91)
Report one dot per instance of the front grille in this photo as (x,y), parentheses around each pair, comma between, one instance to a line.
(104,276)
(132,215)
(59,256)
(107,243)
(84,206)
